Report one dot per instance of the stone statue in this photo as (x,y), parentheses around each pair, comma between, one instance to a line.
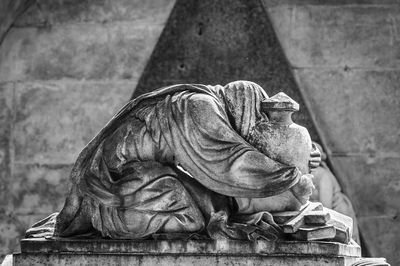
(329,192)
(190,161)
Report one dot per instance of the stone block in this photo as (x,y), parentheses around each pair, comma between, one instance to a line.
(281,19)
(315,233)
(47,12)
(357,111)
(50,12)
(177,252)
(78,51)
(381,234)
(372,185)
(179,247)
(167,260)
(148,12)
(202,43)
(317,218)
(130,49)
(351,36)
(39,190)
(6,120)
(274,3)
(55,120)
(11,232)
(8,260)
(12,229)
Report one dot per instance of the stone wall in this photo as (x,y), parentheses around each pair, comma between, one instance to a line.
(346,58)
(65,68)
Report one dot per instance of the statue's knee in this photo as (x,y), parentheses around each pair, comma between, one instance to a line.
(190,221)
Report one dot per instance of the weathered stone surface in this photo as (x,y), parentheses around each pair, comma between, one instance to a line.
(11,232)
(356,110)
(6,119)
(87,51)
(273,3)
(374,186)
(205,247)
(317,217)
(50,12)
(45,13)
(9,11)
(12,229)
(176,252)
(55,120)
(315,233)
(296,222)
(39,189)
(203,44)
(8,260)
(379,193)
(340,36)
(167,260)
(382,236)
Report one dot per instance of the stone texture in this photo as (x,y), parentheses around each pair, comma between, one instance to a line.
(358,112)
(55,120)
(346,59)
(203,44)
(356,109)
(88,51)
(48,56)
(39,190)
(382,236)
(10,230)
(50,12)
(329,38)
(273,3)
(167,260)
(379,193)
(8,260)
(6,122)
(181,247)
(178,252)
(339,36)
(9,11)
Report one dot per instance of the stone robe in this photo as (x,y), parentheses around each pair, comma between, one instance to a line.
(171,162)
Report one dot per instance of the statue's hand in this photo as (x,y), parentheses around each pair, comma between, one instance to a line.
(303,189)
(315,156)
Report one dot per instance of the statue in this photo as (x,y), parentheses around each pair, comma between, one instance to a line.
(329,193)
(189,161)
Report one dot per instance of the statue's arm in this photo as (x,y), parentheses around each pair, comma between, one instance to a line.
(315,157)
(219,158)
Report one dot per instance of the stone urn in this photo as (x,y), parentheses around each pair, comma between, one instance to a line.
(284,141)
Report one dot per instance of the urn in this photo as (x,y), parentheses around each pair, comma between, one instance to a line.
(282,139)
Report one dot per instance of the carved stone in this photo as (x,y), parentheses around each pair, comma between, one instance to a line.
(183,161)
(190,173)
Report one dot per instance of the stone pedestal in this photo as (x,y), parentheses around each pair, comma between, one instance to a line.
(180,252)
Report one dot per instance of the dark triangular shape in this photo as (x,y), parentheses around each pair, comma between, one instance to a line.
(219,41)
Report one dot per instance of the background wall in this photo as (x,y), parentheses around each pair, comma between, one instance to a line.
(67,66)
(346,58)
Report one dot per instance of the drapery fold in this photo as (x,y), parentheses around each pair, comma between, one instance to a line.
(203,130)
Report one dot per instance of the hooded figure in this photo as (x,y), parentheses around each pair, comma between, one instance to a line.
(171,162)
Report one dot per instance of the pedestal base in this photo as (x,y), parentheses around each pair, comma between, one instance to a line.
(179,252)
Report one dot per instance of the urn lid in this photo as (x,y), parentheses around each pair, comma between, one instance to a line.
(280,102)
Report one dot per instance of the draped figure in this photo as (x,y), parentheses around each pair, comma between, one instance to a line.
(170,164)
